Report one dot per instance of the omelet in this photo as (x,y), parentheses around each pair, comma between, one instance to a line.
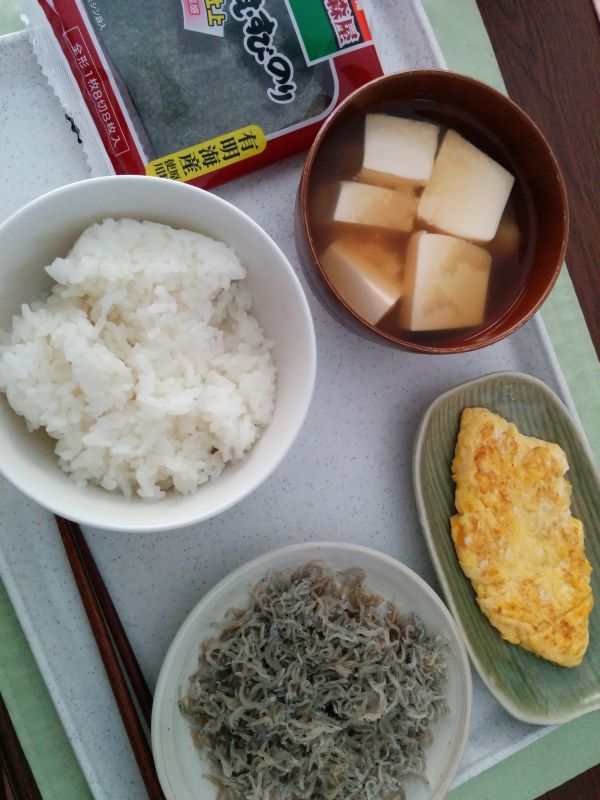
(516,539)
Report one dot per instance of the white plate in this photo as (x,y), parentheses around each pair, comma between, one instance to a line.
(179,765)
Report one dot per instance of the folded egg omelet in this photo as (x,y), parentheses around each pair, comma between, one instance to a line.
(516,539)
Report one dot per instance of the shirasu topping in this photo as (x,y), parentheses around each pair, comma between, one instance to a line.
(320,689)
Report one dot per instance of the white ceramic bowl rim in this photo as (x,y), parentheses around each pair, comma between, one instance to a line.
(89,201)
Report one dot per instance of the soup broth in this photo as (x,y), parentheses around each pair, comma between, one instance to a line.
(340,162)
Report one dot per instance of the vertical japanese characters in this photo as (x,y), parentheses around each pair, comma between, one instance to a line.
(259,33)
(343,22)
(193,162)
(100,99)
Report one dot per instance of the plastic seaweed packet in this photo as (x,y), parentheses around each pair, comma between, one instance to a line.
(201,91)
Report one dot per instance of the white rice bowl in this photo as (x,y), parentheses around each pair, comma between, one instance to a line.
(144,363)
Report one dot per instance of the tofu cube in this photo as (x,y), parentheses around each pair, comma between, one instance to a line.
(361,204)
(467,192)
(367,275)
(445,283)
(398,151)
(505,243)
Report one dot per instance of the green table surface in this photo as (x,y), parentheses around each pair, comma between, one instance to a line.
(558,756)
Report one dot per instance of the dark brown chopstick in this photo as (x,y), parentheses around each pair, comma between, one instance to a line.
(14,762)
(135,675)
(114,664)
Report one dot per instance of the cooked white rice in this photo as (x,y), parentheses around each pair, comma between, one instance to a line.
(144,362)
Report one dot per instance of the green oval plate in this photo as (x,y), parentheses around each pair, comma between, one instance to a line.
(530,688)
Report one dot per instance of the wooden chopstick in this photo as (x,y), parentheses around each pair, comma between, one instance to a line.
(71,536)
(14,762)
(130,663)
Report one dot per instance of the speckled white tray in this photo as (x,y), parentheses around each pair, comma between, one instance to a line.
(348,477)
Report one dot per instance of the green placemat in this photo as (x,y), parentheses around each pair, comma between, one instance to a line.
(466,47)
(574,747)
(44,742)
(570,749)
(10,20)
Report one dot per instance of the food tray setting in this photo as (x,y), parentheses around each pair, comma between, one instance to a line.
(347,478)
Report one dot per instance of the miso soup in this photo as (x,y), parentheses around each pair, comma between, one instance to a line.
(420,221)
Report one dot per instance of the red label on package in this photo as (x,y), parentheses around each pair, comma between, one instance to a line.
(100,103)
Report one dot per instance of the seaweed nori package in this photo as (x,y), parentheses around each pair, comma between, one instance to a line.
(200,90)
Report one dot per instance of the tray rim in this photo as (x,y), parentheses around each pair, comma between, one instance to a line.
(92,775)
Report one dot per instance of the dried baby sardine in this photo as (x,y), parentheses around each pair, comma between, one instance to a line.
(319,689)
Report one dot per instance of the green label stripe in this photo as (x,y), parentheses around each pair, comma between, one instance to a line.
(315,28)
